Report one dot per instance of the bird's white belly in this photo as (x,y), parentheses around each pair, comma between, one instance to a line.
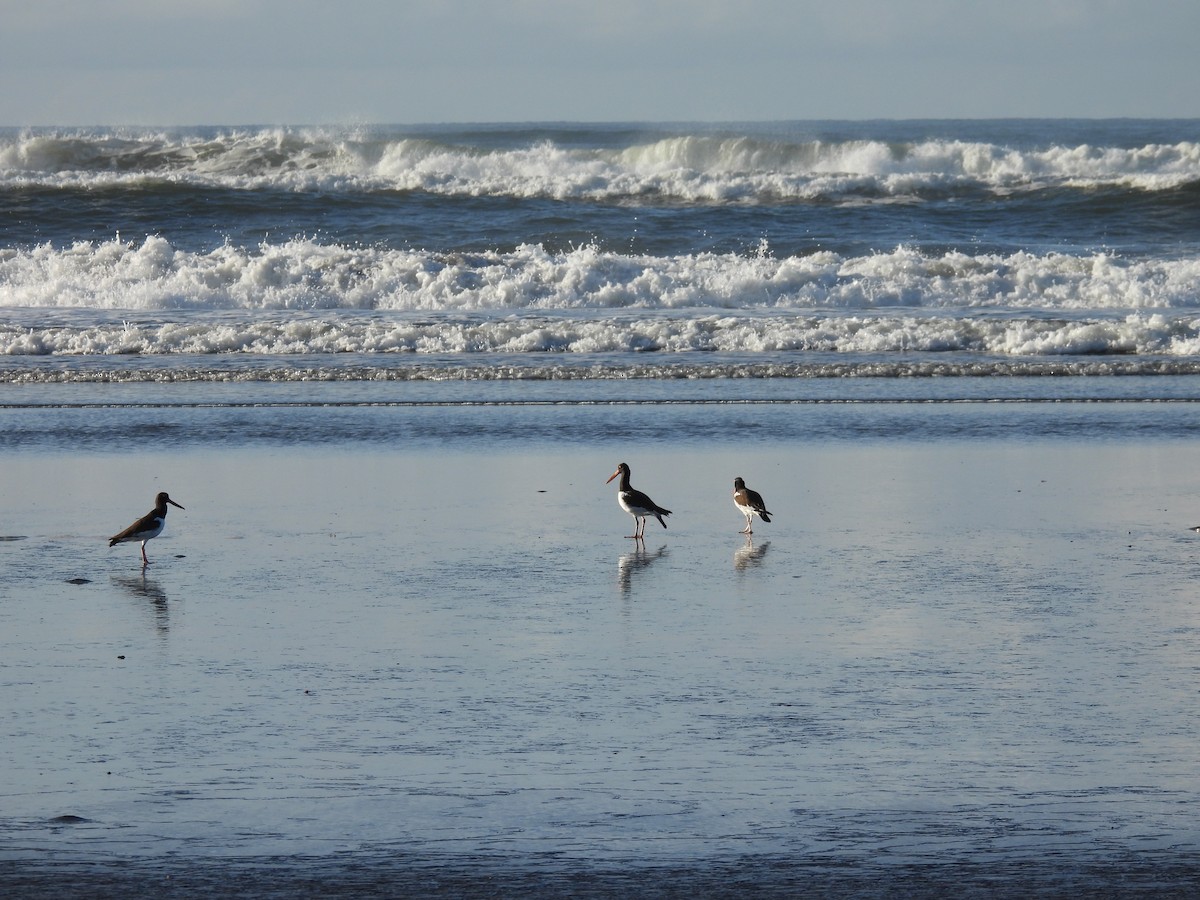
(632,509)
(148,533)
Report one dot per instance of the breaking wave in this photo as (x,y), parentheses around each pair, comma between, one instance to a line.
(704,167)
(303,274)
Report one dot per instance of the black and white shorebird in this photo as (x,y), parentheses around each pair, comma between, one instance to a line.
(636,503)
(148,526)
(750,503)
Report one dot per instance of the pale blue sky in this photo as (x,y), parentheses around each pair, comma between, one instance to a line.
(179,62)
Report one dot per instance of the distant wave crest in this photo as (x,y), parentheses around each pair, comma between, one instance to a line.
(683,168)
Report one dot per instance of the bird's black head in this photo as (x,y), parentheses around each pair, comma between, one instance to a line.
(162,500)
(622,469)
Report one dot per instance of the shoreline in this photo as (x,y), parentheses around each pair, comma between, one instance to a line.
(369,875)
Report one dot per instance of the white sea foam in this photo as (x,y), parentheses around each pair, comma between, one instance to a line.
(304,274)
(770,335)
(693,168)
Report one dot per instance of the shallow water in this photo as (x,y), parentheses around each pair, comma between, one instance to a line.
(960,652)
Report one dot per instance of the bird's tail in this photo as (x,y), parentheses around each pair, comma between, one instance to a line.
(659,512)
(765,516)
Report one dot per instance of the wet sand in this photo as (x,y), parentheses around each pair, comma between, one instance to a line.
(939,663)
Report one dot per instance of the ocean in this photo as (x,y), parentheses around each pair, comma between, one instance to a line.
(396,642)
(581,252)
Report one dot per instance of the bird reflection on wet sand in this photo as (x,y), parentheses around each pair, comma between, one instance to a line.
(748,555)
(635,561)
(142,587)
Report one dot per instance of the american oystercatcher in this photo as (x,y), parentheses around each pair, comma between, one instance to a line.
(750,503)
(636,503)
(148,526)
